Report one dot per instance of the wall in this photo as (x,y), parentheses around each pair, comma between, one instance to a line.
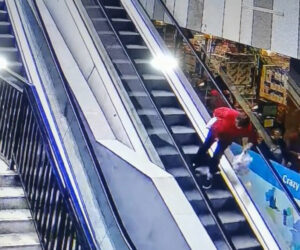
(269,24)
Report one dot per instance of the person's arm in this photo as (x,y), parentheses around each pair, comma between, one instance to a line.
(294,153)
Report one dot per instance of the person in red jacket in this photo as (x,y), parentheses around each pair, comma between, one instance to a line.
(229,125)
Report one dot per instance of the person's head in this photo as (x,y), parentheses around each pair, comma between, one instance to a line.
(276,134)
(242,120)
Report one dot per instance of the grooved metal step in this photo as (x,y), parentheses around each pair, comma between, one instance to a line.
(28,241)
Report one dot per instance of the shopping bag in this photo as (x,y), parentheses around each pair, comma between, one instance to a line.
(242,162)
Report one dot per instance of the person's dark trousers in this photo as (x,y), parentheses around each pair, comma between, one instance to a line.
(214,162)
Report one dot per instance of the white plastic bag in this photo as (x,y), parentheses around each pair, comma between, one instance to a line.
(242,162)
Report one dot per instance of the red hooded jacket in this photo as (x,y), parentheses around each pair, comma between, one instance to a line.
(225,129)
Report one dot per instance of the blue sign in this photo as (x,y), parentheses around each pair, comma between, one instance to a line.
(271,200)
(290,178)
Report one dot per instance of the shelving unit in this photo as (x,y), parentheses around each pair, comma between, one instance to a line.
(273,84)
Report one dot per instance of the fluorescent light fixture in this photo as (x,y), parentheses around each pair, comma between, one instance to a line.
(3,63)
(164,62)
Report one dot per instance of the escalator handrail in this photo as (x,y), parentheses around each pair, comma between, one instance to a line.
(267,161)
(53,151)
(180,151)
(88,140)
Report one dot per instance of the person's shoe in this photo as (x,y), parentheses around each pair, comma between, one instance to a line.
(218,172)
(208,181)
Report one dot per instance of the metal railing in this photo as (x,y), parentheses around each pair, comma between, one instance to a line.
(28,145)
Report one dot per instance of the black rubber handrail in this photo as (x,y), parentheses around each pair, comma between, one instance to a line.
(267,161)
(180,151)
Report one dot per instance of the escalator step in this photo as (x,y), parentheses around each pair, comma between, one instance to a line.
(129,33)
(94,11)
(193,195)
(182,130)
(162,93)
(2,4)
(215,194)
(141,61)
(153,77)
(207,220)
(123,24)
(136,46)
(167,151)
(172,111)
(245,242)
(164,98)
(114,7)
(115,51)
(10,53)
(161,140)
(174,116)
(15,66)
(7,40)
(111,2)
(138,51)
(3,15)
(129,77)
(190,149)
(147,112)
(101,24)
(221,199)
(233,221)
(114,46)
(121,20)
(99,19)
(137,94)
(142,65)
(130,37)
(106,32)
(221,244)
(184,135)
(5,27)
(115,11)
(185,182)
(179,172)
(231,217)
(211,227)
(157,131)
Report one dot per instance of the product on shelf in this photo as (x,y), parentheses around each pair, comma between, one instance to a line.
(273,84)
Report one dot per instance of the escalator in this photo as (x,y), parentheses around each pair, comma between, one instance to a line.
(167,125)
(17,229)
